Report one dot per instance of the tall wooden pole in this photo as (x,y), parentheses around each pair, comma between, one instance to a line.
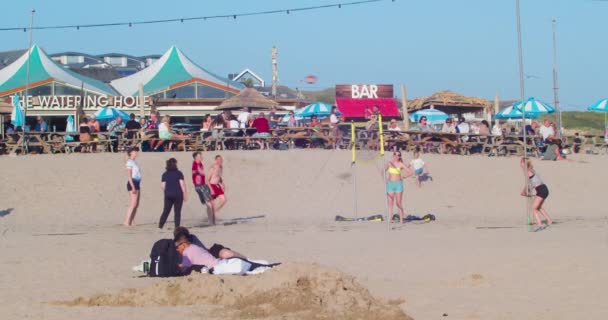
(275,73)
(27,80)
(406,117)
(142,111)
(523,113)
(555,84)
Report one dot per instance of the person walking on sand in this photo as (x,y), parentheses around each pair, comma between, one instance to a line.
(394,184)
(175,193)
(218,188)
(419,167)
(542,192)
(133,185)
(202,189)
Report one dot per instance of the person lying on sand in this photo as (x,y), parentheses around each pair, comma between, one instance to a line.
(217,251)
(195,257)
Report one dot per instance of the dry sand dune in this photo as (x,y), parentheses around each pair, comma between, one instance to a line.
(61,237)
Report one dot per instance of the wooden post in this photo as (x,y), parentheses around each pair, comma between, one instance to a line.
(141,101)
(406,117)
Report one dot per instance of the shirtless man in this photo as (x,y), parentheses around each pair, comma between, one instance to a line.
(217,184)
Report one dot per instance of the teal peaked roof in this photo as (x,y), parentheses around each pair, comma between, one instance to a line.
(171,69)
(42,68)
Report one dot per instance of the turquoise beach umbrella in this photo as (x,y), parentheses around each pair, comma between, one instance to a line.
(17,116)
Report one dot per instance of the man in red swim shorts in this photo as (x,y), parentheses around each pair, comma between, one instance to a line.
(217,184)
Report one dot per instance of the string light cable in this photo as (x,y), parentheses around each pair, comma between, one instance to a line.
(233,16)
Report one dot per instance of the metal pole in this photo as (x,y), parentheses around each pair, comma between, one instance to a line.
(555,84)
(27,80)
(523,107)
(353,165)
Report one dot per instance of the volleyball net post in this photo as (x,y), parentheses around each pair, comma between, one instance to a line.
(381,138)
(353,165)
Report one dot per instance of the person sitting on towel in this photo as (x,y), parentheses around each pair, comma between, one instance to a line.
(217,251)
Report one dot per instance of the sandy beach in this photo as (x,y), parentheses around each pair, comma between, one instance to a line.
(64,248)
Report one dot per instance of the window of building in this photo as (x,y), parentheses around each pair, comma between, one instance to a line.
(116,61)
(207,92)
(62,90)
(43,90)
(185,92)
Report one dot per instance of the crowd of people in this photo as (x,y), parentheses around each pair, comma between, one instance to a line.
(209,186)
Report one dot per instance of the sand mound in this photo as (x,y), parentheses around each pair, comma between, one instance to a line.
(290,291)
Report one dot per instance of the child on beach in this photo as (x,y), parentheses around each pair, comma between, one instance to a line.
(542,192)
(419,167)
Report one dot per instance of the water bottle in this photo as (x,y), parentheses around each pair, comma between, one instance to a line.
(146,266)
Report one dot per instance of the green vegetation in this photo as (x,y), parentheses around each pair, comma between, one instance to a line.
(327,95)
(582,121)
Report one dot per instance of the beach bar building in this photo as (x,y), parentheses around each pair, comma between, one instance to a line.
(171,84)
(454,104)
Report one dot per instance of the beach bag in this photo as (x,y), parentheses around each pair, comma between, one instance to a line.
(164,259)
(231,266)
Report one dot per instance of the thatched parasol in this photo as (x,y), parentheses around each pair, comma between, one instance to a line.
(450,102)
(248,98)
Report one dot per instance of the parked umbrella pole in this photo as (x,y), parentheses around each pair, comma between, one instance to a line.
(27,80)
(523,110)
(380,132)
(353,166)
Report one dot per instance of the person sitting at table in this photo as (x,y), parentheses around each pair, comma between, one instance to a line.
(463,128)
(41,125)
(484,128)
(10,129)
(448,126)
(94,124)
(273,118)
(262,128)
(152,131)
(393,126)
(423,125)
(166,134)
(547,131)
(291,120)
(85,134)
(217,134)
(115,127)
(497,130)
(132,126)
(576,146)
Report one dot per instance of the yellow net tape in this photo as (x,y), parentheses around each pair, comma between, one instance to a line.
(354,145)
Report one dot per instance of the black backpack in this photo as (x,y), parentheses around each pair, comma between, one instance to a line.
(164,259)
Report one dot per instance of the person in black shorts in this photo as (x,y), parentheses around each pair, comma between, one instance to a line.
(542,193)
(218,251)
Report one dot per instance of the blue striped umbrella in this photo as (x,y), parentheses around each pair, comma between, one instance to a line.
(433,116)
(17,116)
(286,118)
(600,106)
(108,114)
(512,113)
(534,107)
(318,109)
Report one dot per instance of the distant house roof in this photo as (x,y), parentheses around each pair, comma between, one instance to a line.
(43,69)
(171,70)
(8,57)
(283,92)
(252,74)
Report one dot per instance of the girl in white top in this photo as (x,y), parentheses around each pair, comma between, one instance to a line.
(419,167)
(133,186)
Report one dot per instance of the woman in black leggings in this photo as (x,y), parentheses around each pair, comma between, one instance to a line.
(175,192)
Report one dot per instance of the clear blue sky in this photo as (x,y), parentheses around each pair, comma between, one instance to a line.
(429,45)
